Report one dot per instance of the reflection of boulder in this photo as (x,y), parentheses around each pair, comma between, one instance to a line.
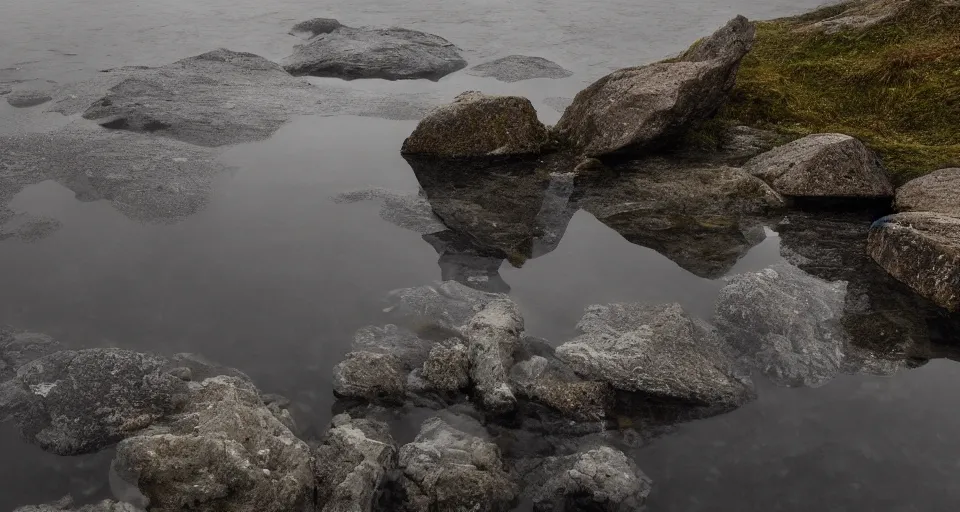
(463,262)
(702,217)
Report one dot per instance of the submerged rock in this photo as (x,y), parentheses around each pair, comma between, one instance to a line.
(315,27)
(352,464)
(409,348)
(785,322)
(476,124)
(923,251)
(449,468)
(370,376)
(937,192)
(27,98)
(637,108)
(701,216)
(226,451)
(657,350)
(823,165)
(515,68)
(602,479)
(493,336)
(26,227)
(75,402)
(447,306)
(217,98)
(390,53)
(18,348)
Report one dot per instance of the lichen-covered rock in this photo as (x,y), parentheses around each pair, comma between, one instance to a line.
(476,124)
(352,464)
(602,479)
(448,366)
(493,336)
(75,402)
(657,350)
(370,376)
(785,322)
(823,165)
(922,250)
(637,108)
(27,98)
(551,383)
(225,451)
(389,53)
(515,68)
(937,192)
(450,469)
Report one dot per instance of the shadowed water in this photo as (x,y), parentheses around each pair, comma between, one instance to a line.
(273,275)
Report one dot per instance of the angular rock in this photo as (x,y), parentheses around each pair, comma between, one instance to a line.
(922,250)
(217,98)
(601,479)
(551,383)
(315,27)
(937,192)
(633,109)
(370,376)
(657,350)
(786,322)
(352,464)
(27,98)
(515,68)
(226,451)
(823,165)
(701,216)
(390,53)
(476,124)
(76,402)
(493,336)
(447,469)
(448,366)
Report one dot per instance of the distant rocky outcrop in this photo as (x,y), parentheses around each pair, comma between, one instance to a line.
(338,51)
(639,108)
(476,125)
(823,165)
(515,68)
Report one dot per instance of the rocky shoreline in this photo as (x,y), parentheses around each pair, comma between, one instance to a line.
(499,185)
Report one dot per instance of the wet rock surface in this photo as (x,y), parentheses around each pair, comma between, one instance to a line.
(786,322)
(937,192)
(658,101)
(390,54)
(823,165)
(75,402)
(493,336)
(450,467)
(600,479)
(515,68)
(225,451)
(27,98)
(476,124)
(923,251)
(657,350)
(352,464)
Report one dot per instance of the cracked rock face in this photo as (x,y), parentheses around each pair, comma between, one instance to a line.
(352,464)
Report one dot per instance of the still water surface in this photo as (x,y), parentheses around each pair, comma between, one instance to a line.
(273,276)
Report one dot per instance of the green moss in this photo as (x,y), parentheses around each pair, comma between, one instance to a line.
(895,85)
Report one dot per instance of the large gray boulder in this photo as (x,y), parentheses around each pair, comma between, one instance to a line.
(823,165)
(922,250)
(703,217)
(786,323)
(225,451)
(450,468)
(657,350)
(389,53)
(476,124)
(637,108)
(352,464)
(493,336)
(76,402)
(515,68)
(217,98)
(937,192)
(602,479)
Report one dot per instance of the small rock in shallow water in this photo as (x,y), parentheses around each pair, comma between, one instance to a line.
(937,192)
(352,463)
(27,98)
(476,125)
(557,103)
(602,479)
(315,27)
(370,376)
(823,165)
(515,68)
